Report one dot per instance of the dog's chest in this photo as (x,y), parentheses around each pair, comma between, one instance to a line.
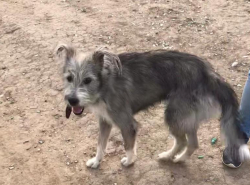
(100,111)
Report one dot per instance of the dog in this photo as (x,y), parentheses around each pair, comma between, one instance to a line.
(115,87)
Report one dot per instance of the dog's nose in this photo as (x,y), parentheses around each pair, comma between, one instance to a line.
(73,101)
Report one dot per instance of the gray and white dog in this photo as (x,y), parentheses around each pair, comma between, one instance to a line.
(115,87)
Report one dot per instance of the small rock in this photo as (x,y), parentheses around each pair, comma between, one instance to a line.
(210,156)
(40,141)
(76,161)
(68,163)
(83,10)
(53,93)
(68,140)
(28,148)
(235,64)
(11,168)
(26,142)
(239,85)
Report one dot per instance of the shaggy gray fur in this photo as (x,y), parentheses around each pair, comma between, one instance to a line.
(115,87)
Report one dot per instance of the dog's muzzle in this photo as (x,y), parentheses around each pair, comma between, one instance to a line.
(77,110)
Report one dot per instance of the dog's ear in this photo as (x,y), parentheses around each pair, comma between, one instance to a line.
(64,52)
(109,62)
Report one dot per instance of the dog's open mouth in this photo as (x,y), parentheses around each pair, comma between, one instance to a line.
(78,110)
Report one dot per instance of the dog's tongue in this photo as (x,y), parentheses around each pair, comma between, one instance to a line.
(68,111)
(77,109)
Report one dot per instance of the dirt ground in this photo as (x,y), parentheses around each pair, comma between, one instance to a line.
(39,146)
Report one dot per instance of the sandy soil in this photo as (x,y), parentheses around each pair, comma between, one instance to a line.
(39,146)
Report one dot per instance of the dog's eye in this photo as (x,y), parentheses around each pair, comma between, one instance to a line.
(87,80)
(70,78)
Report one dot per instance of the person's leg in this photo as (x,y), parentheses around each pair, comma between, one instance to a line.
(245,109)
(245,126)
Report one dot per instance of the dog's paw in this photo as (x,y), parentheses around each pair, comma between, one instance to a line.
(93,163)
(165,155)
(179,158)
(126,162)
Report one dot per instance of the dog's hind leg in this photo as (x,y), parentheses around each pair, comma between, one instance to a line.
(105,129)
(192,145)
(172,119)
(180,117)
(179,143)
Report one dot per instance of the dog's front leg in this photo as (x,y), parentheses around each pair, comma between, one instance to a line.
(104,133)
(129,131)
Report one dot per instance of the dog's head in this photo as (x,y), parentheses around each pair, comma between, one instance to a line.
(85,74)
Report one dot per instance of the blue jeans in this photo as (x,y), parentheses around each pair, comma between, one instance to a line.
(245,109)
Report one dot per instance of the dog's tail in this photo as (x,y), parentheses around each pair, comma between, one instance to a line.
(230,118)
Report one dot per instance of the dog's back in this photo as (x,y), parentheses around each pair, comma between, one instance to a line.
(157,75)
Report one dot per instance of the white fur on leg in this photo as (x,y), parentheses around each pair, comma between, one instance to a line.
(182,156)
(244,153)
(95,161)
(170,153)
(129,159)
